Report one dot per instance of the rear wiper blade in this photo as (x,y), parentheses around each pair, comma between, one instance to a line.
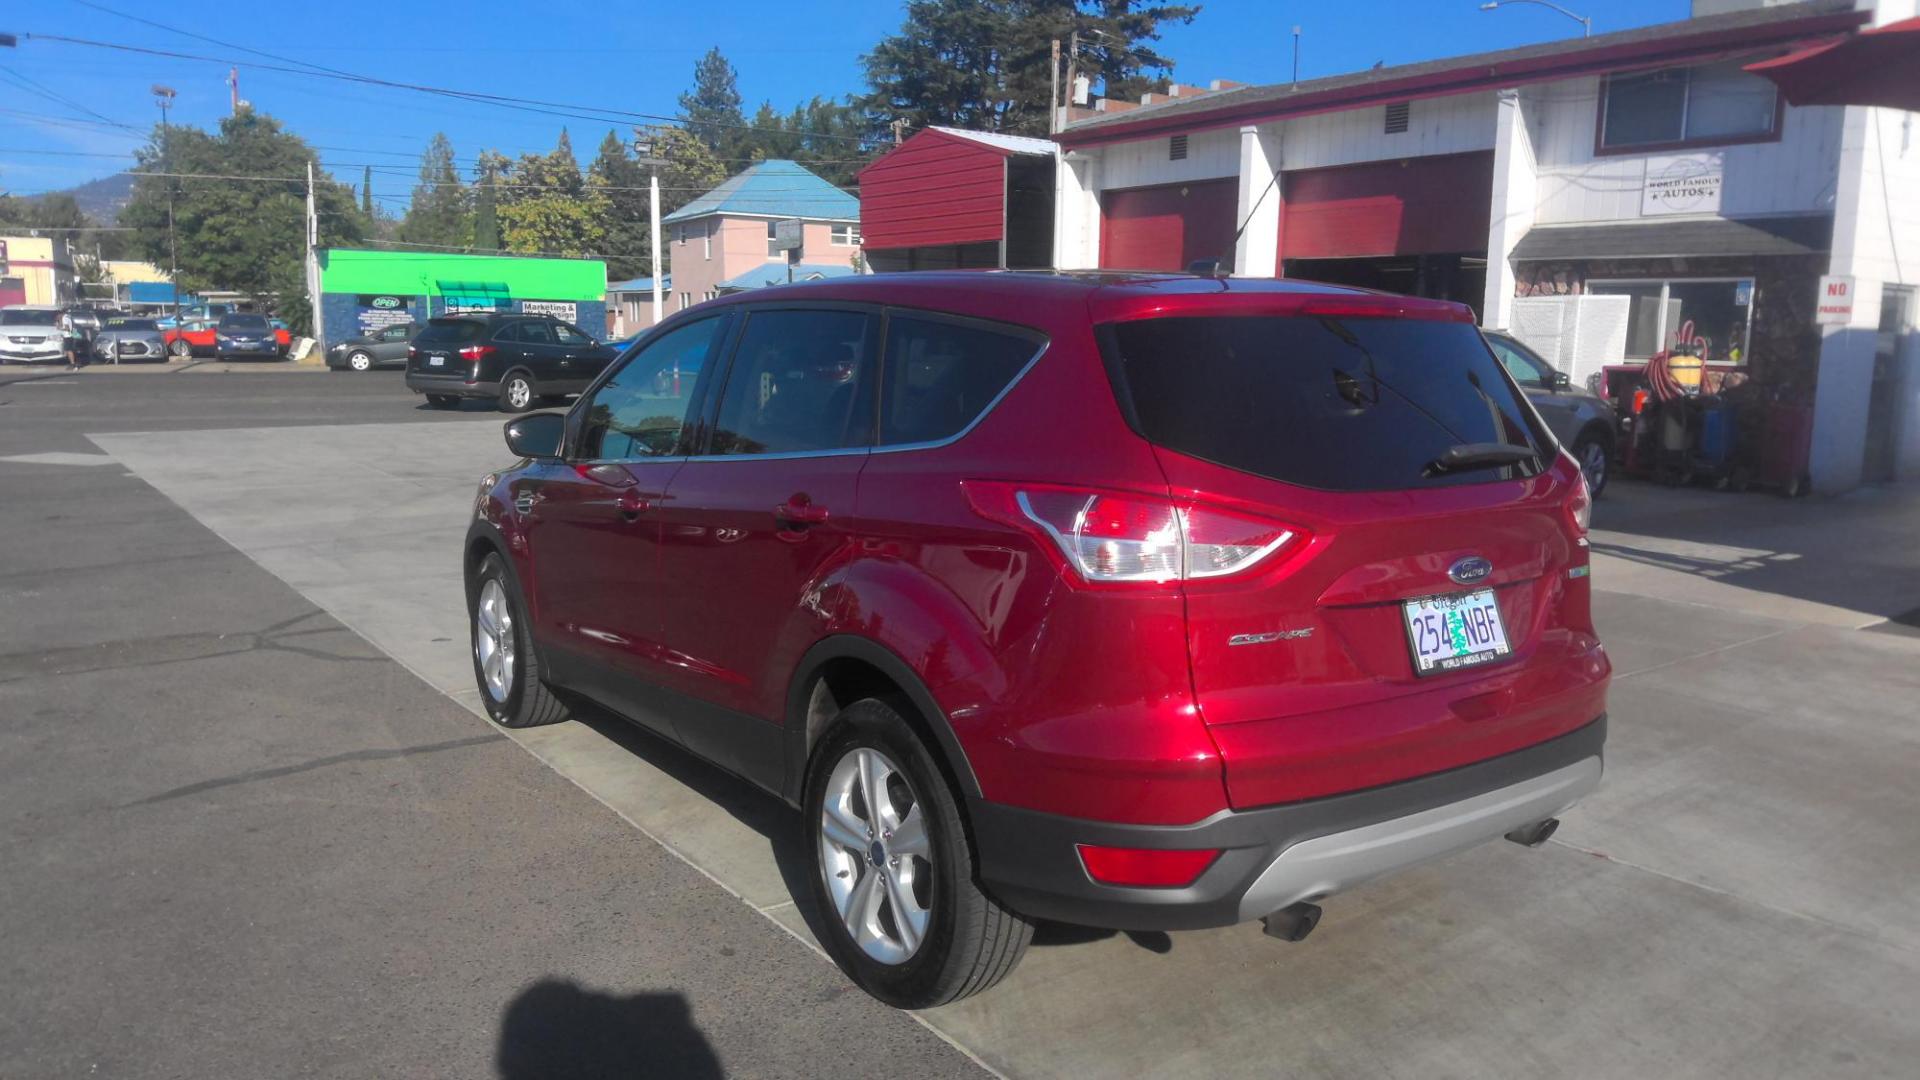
(1479,456)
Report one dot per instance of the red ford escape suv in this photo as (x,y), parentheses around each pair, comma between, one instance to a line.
(1135,602)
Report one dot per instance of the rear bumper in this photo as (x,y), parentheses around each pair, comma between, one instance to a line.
(1277,855)
(450,386)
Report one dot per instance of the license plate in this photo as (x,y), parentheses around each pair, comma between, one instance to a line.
(1447,633)
(436,361)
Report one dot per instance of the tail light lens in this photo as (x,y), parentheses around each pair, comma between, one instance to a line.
(1580,504)
(412,351)
(1113,537)
(1143,867)
(473,354)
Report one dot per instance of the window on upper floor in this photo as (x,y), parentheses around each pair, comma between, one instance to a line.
(772,239)
(845,236)
(1714,103)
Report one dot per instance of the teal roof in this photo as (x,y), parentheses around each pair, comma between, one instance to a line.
(773,188)
(775,273)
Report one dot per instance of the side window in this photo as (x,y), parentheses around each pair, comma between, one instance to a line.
(800,381)
(567,335)
(642,409)
(1524,369)
(536,333)
(509,333)
(941,376)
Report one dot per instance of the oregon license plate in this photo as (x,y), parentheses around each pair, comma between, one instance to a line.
(1447,633)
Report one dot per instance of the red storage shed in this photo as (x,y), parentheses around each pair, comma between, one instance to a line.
(953,199)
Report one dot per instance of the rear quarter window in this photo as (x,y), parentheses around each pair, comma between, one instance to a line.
(1338,404)
(941,376)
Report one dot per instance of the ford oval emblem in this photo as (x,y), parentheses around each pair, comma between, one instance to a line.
(1470,570)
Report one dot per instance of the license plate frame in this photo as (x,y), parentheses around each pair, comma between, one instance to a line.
(1480,625)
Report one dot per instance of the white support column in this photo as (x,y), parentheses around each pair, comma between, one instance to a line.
(1512,207)
(1257,254)
(1076,210)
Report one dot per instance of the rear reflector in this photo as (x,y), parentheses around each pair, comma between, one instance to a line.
(1144,867)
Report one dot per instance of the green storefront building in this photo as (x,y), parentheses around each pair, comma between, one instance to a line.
(362,291)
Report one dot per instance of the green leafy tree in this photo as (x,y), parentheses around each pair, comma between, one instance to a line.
(692,168)
(615,175)
(983,64)
(548,208)
(248,235)
(440,213)
(712,107)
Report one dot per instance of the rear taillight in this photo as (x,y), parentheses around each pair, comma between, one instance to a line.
(412,351)
(1580,504)
(1115,537)
(473,354)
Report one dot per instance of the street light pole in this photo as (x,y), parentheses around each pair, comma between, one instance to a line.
(163,96)
(1586,24)
(646,150)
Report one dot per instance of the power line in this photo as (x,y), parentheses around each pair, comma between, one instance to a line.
(32,86)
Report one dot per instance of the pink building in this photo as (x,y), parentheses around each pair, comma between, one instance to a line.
(723,241)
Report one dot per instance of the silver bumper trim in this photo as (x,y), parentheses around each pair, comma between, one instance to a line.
(1325,865)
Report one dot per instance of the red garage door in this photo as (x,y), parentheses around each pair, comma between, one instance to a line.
(1167,227)
(1416,206)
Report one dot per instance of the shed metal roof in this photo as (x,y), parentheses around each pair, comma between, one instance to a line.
(1011,144)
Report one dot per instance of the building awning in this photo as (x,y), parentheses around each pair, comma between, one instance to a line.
(1797,235)
(154,292)
(1873,67)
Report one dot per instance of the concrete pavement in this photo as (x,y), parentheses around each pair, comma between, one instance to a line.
(1730,903)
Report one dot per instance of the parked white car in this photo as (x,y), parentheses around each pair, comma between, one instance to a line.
(32,335)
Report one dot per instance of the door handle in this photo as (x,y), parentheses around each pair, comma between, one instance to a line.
(632,504)
(800,512)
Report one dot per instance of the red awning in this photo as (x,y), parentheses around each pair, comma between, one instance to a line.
(1873,67)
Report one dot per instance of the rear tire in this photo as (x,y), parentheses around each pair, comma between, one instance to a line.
(442,401)
(928,934)
(505,665)
(517,392)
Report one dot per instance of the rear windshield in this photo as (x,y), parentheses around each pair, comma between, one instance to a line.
(29,318)
(451,332)
(1339,404)
(243,322)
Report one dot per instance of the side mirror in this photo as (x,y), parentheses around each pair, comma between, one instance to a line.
(536,435)
(1562,381)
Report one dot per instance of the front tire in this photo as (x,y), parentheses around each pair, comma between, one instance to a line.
(517,392)
(504,663)
(180,349)
(893,875)
(360,361)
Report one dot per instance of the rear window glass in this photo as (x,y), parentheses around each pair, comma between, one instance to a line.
(941,376)
(28,318)
(243,322)
(1353,404)
(450,332)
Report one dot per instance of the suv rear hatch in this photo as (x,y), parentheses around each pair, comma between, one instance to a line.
(1429,514)
(447,347)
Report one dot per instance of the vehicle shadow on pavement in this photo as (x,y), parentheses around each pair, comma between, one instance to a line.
(555,1030)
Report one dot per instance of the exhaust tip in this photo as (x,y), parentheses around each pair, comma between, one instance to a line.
(1535,834)
(1293,922)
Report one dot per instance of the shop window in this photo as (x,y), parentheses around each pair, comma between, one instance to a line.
(1710,318)
(1708,104)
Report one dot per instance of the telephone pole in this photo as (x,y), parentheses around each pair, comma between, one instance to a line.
(163,95)
(646,152)
(1053,90)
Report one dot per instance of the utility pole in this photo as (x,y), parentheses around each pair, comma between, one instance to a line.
(1053,90)
(233,91)
(163,95)
(899,127)
(1296,55)
(1073,54)
(645,150)
(317,318)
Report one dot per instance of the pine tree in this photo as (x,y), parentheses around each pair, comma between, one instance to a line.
(712,107)
(623,181)
(439,214)
(366,192)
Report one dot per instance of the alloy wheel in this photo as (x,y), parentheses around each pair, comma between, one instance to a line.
(876,856)
(519,394)
(493,639)
(360,361)
(1593,462)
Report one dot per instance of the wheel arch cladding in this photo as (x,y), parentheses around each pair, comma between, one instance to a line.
(842,669)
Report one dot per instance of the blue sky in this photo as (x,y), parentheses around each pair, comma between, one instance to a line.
(636,56)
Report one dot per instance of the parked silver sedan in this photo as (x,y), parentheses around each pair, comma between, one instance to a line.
(124,338)
(1583,422)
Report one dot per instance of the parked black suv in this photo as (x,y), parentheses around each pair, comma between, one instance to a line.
(517,360)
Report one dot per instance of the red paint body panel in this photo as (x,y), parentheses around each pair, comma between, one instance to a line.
(1418,206)
(934,189)
(1168,227)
